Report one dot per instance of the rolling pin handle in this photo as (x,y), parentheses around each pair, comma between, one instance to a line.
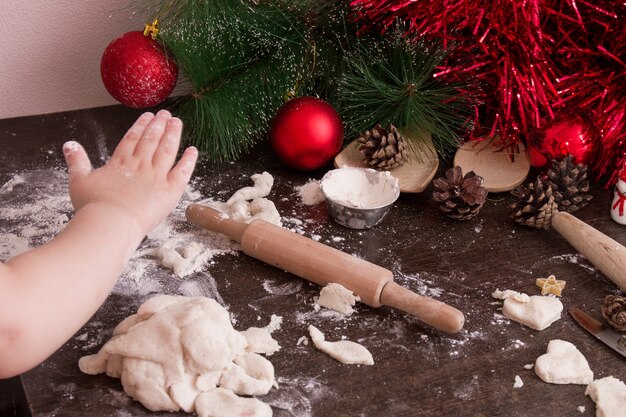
(433,312)
(215,221)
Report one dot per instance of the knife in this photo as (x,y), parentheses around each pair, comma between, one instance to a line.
(610,337)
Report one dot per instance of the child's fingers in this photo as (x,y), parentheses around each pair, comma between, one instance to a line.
(152,136)
(165,153)
(127,145)
(78,163)
(181,173)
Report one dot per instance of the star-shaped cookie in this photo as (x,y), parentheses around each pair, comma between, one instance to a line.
(550,285)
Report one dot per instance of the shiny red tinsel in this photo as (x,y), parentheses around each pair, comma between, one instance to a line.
(533,61)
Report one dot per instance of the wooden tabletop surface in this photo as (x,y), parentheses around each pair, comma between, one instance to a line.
(417,372)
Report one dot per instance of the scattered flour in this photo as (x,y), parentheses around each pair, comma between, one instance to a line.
(310,193)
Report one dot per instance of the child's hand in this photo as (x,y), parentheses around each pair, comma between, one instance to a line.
(139,178)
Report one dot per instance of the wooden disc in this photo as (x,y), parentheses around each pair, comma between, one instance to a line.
(414,176)
(501,170)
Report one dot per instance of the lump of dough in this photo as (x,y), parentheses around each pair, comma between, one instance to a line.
(263,184)
(183,261)
(221,402)
(538,313)
(609,394)
(338,298)
(174,349)
(249,203)
(260,339)
(563,364)
(517,296)
(344,351)
(250,374)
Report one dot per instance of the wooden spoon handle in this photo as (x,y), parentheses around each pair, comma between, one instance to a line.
(606,254)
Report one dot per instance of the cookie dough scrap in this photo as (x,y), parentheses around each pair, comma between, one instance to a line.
(563,364)
(550,285)
(538,313)
(344,351)
(517,296)
(238,207)
(260,339)
(609,394)
(183,353)
(337,297)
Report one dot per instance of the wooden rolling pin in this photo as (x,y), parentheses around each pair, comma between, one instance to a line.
(605,253)
(322,264)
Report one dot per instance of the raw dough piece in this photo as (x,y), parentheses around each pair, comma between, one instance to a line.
(221,402)
(260,339)
(239,208)
(563,364)
(517,296)
(518,382)
(609,394)
(338,298)
(550,285)
(344,351)
(262,186)
(176,348)
(183,261)
(538,313)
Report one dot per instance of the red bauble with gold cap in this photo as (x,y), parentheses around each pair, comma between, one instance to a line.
(306,133)
(136,70)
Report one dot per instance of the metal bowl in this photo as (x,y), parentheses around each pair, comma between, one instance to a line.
(359,198)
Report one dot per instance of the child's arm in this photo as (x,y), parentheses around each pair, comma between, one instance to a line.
(48,293)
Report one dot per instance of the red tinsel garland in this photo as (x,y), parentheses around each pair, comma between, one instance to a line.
(535,62)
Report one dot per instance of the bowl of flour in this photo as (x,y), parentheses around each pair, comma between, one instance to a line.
(359,198)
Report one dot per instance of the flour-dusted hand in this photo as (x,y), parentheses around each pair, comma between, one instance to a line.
(140,178)
(47,294)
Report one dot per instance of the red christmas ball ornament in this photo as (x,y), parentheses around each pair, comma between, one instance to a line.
(306,133)
(559,140)
(136,71)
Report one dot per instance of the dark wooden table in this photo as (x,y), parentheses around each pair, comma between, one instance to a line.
(418,371)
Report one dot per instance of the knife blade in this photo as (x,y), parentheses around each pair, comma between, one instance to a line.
(608,336)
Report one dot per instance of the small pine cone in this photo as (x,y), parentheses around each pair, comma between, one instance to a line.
(383,149)
(614,311)
(570,185)
(459,197)
(535,204)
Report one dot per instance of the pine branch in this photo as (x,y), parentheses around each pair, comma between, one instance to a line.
(239,59)
(391,82)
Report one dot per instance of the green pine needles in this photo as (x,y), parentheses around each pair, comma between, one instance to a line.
(391,81)
(239,59)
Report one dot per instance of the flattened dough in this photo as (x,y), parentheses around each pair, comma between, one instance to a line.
(177,348)
(338,298)
(538,313)
(223,403)
(563,364)
(344,351)
(609,394)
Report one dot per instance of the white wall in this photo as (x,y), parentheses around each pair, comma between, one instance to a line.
(50,53)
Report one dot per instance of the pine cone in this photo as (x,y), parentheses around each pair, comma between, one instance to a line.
(383,149)
(569,184)
(459,197)
(614,311)
(535,204)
